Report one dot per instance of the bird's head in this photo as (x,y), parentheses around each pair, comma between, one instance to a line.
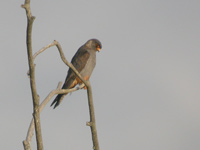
(94,44)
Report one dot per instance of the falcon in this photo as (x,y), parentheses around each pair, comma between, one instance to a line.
(84,61)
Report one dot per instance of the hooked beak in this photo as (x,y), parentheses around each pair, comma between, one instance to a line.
(98,48)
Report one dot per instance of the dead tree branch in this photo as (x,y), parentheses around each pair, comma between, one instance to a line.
(44,103)
(35,97)
(92,122)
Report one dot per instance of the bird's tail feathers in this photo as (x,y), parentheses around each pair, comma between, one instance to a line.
(69,83)
(58,100)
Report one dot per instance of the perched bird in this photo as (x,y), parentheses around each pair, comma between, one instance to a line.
(84,61)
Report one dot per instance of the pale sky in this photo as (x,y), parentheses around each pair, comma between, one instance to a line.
(146,84)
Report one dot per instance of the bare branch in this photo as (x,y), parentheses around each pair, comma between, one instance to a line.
(35,97)
(27,146)
(43,49)
(40,51)
(26,6)
(44,103)
(92,122)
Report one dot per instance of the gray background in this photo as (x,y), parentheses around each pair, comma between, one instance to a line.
(145,86)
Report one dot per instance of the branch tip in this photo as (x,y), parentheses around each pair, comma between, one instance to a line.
(23,6)
(33,18)
(89,124)
(59,85)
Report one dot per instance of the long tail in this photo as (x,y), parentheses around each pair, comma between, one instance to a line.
(69,83)
(58,100)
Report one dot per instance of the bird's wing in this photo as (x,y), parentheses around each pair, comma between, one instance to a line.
(79,61)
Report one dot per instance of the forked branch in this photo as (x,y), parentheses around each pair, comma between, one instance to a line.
(27,142)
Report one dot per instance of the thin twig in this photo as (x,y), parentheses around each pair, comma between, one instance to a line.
(43,49)
(44,103)
(40,51)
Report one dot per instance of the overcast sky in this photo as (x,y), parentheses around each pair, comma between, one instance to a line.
(146,84)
